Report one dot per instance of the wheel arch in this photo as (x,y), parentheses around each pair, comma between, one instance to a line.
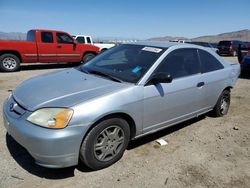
(228,88)
(104,49)
(87,52)
(122,115)
(16,53)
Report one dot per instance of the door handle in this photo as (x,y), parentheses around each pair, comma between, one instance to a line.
(200,84)
(59,46)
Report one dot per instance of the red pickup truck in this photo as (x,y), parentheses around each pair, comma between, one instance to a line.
(44,46)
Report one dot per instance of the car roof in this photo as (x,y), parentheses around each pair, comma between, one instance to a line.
(163,44)
(48,30)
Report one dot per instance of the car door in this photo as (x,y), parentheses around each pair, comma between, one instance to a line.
(168,103)
(213,74)
(67,51)
(46,47)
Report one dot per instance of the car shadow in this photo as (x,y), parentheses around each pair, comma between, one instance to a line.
(245,75)
(166,131)
(25,160)
(44,66)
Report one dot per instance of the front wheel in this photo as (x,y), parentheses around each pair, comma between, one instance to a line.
(222,105)
(87,57)
(105,143)
(9,63)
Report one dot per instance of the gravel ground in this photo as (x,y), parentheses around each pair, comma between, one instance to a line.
(203,152)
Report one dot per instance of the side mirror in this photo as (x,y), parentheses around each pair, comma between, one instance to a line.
(160,77)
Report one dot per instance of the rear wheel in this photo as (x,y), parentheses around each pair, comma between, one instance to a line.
(105,143)
(9,63)
(87,57)
(222,105)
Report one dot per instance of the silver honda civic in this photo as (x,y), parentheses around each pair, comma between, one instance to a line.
(90,113)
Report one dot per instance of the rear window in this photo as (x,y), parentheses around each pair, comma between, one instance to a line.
(209,62)
(224,43)
(31,36)
(80,40)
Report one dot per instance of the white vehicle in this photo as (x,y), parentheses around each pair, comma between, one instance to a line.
(84,39)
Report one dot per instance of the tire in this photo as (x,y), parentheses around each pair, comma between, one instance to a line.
(222,105)
(87,57)
(9,63)
(103,50)
(105,143)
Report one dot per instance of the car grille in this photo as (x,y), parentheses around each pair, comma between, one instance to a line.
(15,109)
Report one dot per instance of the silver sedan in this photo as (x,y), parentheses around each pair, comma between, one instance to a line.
(92,112)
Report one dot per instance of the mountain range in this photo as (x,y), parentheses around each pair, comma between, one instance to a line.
(242,35)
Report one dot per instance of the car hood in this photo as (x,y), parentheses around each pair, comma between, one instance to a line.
(63,89)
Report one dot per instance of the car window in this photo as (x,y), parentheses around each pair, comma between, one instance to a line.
(31,36)
(63,38)
(180,63)
(209,62)
(80,40)
(88,40)
(47,37)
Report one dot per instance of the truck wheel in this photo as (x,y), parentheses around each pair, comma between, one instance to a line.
(105,143)
(103,50)
(9,63)
(222,105)
(87,57)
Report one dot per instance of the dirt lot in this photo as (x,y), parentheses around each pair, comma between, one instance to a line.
(204,152)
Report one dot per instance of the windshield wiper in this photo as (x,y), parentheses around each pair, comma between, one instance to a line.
(105,75)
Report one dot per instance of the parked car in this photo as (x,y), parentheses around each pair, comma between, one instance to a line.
(205,44)
(43,46)
(244,58)
(229,47)
(83,39)
(178,40)
(91,112)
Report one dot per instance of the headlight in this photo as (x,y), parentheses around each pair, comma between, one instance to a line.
(55,118)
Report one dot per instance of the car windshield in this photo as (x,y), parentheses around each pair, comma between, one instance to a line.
(124,63)
(224,43)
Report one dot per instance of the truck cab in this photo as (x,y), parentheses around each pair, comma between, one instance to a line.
(83,39)
(86,39)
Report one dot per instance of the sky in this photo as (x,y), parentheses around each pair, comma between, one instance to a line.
(137,19)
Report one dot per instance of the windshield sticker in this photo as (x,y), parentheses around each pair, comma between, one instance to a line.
(152,49)
(136,69)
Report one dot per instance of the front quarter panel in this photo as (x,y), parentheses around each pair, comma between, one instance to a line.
(128,101)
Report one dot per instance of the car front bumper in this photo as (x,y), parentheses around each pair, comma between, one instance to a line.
(53,148)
